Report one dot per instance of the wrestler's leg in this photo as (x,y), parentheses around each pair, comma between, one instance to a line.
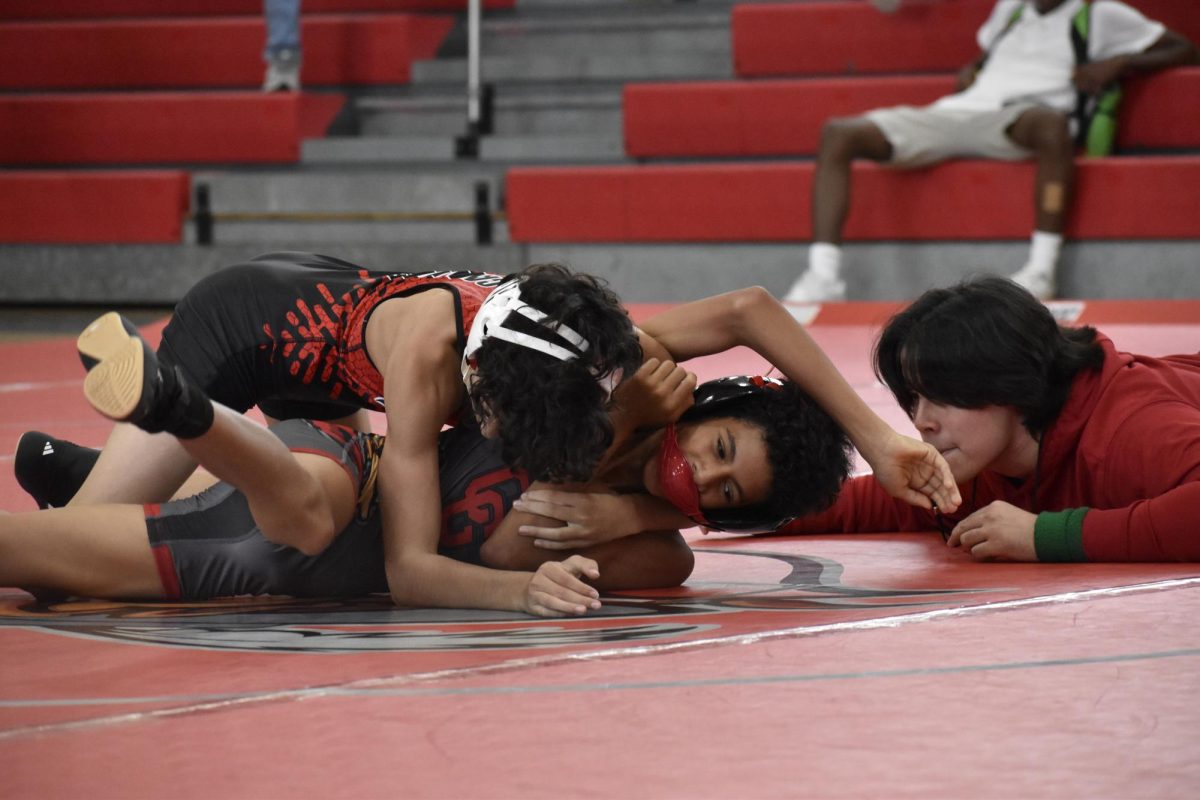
(98,551)
(138,464)
(52,470)
(302,501)
(136,467)
(126,382)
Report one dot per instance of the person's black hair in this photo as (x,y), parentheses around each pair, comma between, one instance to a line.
(984,342)
(810,455)
(552,415)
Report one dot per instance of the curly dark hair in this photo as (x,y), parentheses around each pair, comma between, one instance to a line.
(552,415)
(984,342)
(810,454)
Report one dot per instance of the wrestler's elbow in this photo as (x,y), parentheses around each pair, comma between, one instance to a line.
(407,571)
(747,305)
(650,560)
(677,562)
(753,300)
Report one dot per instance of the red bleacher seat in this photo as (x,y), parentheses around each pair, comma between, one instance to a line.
(1118,198)
(852,37)
(161,127)
(108,9)
(1161,110)
(784,117)
(92,207)
(750,118)
(211,52)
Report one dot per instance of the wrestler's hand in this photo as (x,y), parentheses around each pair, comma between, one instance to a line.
(1094,76)
(657,394)
(589,518)
(997,532)
(915,472)
(555,590)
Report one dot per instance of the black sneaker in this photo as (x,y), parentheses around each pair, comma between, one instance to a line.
(126,383)
(51,470)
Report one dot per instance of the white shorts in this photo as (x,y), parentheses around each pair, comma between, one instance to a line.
(928,134)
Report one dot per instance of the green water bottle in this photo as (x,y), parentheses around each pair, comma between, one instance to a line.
(1102,132)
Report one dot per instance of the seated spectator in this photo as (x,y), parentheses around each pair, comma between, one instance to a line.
(1029,94)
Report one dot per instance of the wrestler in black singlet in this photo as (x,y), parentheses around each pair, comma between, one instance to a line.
(284,331)
(209,546)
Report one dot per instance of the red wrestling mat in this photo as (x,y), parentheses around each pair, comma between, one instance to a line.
(838,666)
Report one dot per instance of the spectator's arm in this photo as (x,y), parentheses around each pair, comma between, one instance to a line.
(966,75)
(1171,49)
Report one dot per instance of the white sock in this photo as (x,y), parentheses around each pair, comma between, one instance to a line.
(1043,251)
(825,260)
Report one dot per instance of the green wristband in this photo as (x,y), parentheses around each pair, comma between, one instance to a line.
(1058,535)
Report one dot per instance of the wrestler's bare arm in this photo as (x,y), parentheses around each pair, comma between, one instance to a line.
(417,345)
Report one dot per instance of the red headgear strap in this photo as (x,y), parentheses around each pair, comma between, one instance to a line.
(676,478)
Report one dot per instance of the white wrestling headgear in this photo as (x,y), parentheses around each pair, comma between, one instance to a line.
(491,323)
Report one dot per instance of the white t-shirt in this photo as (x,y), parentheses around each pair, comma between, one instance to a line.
(1034,60)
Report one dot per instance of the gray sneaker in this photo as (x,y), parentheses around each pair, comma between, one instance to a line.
(283,72)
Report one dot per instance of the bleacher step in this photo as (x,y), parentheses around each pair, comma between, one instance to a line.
(543,110)
(160,274)
(160,127)
(578,67)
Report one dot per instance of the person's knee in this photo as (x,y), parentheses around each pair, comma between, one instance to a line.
(1051,134)
(846,138)
(299,519)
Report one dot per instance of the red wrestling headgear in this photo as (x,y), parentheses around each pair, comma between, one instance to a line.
(675,473)
(676,478)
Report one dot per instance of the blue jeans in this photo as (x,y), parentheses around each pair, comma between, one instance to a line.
(283,27)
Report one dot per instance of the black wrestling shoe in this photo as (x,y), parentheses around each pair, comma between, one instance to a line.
(126,383)
(51,470)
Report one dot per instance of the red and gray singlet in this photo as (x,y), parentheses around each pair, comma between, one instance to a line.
(209,545)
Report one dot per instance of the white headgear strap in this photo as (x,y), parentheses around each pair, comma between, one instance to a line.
(491,323)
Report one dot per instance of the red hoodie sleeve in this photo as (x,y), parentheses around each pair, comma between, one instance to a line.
(864,507)
(1160,529)
(1158,452)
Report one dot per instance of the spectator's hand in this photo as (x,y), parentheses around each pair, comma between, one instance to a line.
(590,518)
(966,76)
(998,531)
(657,394)
(1094,76)
(555,590)
(915,472)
